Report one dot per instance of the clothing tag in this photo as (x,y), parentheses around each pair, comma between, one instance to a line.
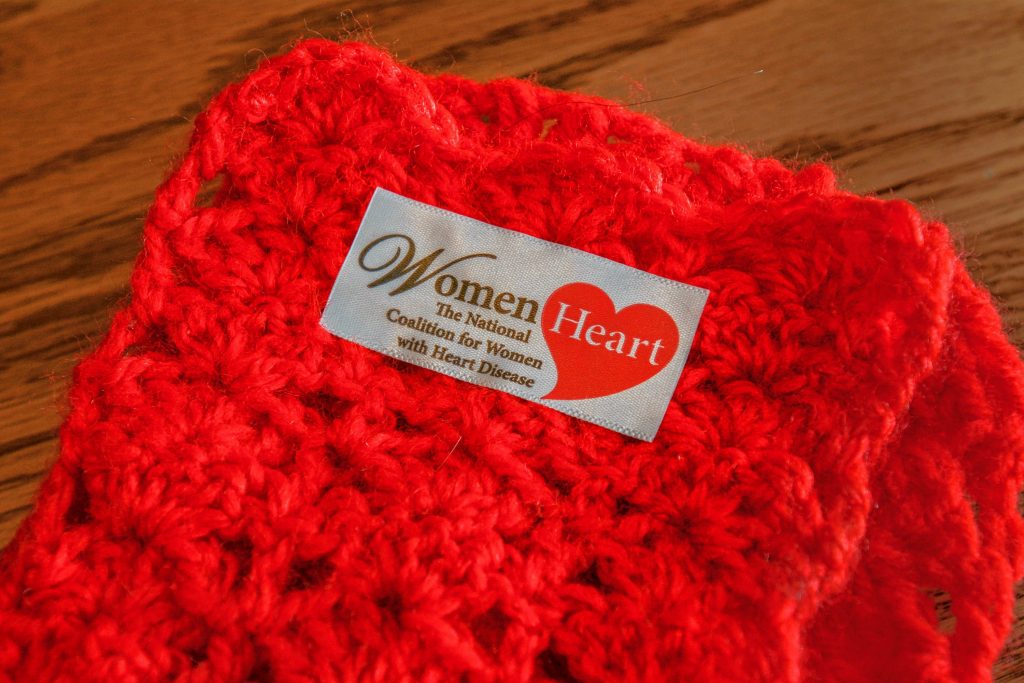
(579,333)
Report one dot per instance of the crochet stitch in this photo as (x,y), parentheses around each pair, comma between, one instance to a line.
(241,496)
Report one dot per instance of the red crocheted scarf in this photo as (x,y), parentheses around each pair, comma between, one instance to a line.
(242,496)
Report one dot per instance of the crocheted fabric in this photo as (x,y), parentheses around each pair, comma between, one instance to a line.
(242,496)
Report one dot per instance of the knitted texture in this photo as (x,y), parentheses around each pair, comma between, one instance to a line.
(242,496)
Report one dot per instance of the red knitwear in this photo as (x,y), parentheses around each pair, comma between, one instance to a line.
(241,496)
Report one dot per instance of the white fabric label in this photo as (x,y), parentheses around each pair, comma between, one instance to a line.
(576,332)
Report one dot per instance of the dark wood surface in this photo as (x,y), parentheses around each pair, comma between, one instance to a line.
(921,100)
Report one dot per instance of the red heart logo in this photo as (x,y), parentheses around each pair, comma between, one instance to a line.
(599,352)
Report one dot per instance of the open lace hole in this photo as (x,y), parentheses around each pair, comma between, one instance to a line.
(555,666)
(305,574)
(78,509)
(943,603)
(489,629)
(208,191)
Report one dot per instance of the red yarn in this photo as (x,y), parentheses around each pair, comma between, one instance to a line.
(242,496)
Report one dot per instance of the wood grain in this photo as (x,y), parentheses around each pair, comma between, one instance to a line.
(921,100)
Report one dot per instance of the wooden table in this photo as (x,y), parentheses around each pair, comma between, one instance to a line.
(922,100)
